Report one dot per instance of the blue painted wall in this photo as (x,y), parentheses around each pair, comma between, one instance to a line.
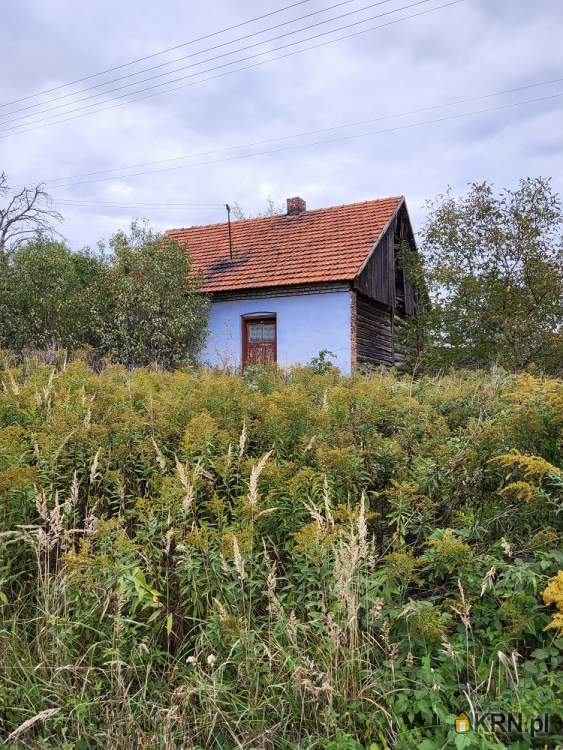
(307,323)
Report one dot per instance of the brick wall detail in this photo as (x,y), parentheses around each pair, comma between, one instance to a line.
(281,291)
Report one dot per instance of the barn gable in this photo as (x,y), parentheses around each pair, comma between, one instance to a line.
(383,296)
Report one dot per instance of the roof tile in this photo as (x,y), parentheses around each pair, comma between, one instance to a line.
(327,244)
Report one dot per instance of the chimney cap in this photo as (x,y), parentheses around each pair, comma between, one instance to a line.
(295,206)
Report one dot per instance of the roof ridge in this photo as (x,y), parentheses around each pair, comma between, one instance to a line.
(320,245)
(284,216)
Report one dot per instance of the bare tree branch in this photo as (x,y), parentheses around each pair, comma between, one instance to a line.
(27,213)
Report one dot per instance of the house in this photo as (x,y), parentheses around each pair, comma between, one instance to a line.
(283,288)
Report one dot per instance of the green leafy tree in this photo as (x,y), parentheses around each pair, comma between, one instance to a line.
(46,293)
(494,268)
(270,210)
(150,309)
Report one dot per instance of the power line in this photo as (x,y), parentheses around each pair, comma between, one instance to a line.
(332,140)
(295,135)
(247,67)
(208,70)
(156,54)
(140,206)
(185,57)
(192,65)
(183,206)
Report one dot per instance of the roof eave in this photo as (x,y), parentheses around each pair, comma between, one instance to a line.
(227,290)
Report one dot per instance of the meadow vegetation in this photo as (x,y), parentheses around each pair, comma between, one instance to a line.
(194,559)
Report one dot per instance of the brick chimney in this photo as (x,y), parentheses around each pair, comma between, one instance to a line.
(295,206)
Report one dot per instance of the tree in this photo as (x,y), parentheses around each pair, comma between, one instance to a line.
(150,308)
(47,293)
(494,268)
(27,212)
(270,210)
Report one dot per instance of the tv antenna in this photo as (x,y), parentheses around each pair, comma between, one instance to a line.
(230,235)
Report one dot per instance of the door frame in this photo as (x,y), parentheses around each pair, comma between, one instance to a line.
(245,319)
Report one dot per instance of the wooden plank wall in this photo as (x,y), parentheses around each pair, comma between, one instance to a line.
(379,277)
(404,233)
(375,327)
(383,298)
(377,280)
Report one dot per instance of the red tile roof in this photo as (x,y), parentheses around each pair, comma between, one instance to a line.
(328,244)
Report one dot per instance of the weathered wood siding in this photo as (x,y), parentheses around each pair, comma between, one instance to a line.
(382,277)
(377,279)
(375,329)
(404,234)
(383,298)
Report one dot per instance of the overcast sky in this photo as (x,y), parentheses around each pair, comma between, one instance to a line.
(469,49)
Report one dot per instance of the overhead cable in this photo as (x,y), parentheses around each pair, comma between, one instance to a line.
(202,62)
(238,70)
(298,135)
(156,54)
(116,204)
(331,140)
(186,57)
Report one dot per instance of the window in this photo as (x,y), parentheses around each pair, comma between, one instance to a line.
(261,332)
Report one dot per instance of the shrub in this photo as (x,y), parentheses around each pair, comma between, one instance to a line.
(280,560)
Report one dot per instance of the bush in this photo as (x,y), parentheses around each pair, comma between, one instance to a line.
(140,304)
(47,295)
(493,267)
(149,309)
(283,561)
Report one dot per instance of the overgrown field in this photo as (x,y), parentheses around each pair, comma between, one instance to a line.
(201,560)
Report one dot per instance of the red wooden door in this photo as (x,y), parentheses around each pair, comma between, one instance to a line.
(259,341)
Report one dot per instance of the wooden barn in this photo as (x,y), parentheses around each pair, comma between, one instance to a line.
(283,288)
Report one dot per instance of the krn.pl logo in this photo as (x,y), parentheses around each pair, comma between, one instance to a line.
(462,723)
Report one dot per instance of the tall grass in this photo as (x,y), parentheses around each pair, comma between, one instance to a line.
(276,560)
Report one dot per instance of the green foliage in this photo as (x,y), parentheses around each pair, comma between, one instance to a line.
(149,307)
(320,364)
(270,210)
(493,264)
(276,560)
(139,305)
(47,294)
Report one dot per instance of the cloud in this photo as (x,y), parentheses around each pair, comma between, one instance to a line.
(470,49)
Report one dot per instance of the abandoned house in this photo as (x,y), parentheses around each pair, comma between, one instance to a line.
(283,288)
